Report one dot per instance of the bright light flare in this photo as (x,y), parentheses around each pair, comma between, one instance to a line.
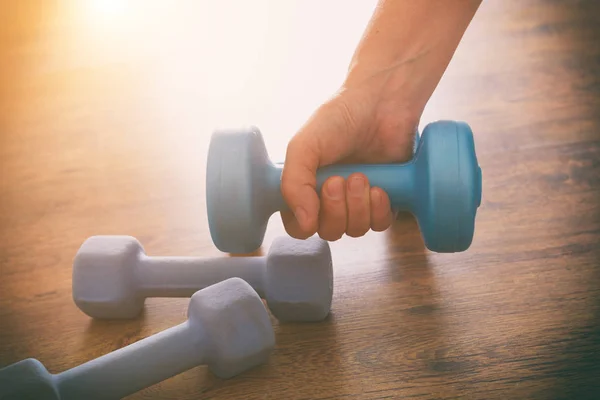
(107,8)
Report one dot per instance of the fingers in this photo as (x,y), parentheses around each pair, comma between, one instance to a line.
(304,156)
(333,216)
(333,133)
(352,207)
(358,201)
(381,214)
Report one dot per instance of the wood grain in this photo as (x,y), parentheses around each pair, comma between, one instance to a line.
(105,116)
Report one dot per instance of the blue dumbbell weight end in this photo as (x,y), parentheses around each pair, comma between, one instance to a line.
(441,186)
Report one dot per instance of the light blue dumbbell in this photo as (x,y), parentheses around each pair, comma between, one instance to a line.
(228,329)
(113,276)
(441,186)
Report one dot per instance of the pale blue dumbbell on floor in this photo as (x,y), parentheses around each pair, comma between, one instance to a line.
(441,186)
(112,276)
(228,329)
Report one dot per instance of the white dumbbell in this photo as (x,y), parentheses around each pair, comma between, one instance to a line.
(228,329)
(112,276)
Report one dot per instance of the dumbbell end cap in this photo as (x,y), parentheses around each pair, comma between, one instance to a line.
(234,189)
(27,379)
(237,324)
(450,181)
(480,188)
(299,279)
(103,279)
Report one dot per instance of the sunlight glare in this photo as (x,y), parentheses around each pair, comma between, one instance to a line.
(107,8)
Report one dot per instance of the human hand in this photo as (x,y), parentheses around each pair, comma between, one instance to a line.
(372,119)
(357,125)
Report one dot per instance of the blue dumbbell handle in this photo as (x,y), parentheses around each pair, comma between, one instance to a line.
(397,180)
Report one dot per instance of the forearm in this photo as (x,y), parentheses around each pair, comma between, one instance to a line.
(408,45)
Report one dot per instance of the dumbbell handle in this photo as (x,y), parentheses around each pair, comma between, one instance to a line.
(137,366)
(183,276)
(397,180)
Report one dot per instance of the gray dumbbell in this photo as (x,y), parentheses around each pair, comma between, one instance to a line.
(112,276)
(228,329)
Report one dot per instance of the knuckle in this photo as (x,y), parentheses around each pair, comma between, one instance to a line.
(356,233)
(359,221)
(332,225)
(358,230)
(330,235)
(380,227)
(329,231)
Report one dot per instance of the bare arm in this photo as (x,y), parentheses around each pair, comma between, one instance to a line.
(409,44)
(397,65)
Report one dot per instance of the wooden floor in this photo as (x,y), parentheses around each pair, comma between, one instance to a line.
(105,115)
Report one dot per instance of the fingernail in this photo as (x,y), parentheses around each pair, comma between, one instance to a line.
(335,188)
(375,198)
(301,216)
(357,186)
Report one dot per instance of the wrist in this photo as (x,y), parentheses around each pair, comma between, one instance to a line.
(404,88)
(408,45)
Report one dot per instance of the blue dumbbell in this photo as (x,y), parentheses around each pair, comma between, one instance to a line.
(441,186)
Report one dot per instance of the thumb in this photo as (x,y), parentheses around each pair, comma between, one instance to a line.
(321,141)
(298,186)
